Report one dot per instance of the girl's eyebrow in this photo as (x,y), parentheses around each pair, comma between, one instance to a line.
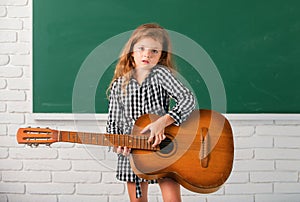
(148,46)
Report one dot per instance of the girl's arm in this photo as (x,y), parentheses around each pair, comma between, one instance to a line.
(184,98)
(185,104)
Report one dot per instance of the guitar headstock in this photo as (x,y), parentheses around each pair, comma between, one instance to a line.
(36,136)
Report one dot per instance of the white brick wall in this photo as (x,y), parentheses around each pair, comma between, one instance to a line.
(267,151)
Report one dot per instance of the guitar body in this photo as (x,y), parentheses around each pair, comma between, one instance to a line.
(198,154)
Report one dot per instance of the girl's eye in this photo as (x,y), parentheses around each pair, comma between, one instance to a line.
(154,51)
(141,48)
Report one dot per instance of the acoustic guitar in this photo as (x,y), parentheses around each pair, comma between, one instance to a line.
(198,154)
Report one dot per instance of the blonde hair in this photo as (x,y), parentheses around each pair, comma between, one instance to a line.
(125,65)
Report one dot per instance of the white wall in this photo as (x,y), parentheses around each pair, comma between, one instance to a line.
(267,148)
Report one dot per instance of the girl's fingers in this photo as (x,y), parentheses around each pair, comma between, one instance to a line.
(158,139)
(119,150)
(126,151)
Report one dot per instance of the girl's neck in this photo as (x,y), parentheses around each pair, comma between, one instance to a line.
(141,74)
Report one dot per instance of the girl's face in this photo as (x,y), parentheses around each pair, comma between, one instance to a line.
(146,52)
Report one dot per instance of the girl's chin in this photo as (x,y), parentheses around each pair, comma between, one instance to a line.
(145,66)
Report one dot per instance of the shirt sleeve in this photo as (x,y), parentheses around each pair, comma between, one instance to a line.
(184,98)
(115,110)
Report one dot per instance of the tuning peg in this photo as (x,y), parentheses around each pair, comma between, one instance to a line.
(48,145)
(29,144)
(36,144)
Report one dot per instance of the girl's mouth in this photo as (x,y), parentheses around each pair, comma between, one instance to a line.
(145,61)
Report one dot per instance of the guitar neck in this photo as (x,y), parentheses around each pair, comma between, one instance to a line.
(134,142)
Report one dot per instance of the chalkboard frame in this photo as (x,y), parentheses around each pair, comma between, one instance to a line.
(292,95)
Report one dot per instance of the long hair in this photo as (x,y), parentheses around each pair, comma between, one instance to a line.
(125,66)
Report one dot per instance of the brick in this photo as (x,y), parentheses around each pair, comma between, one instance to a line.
(287,142)
(100,189)
(251,188)
(3,153)
(3,198)
(33,153)
(77,177)
(12,129)
(111,156)
(27,23)
(26,176)
(4,59)
(278,154)
(8,36)
(238,177)
(253,165)
(19,107)
(288,165)
(3,130)
(3,83)
(14,48)
(230,198)
(125,198)
(12,188)
(11,24)
(13,2)
(242,154)
(80,153)
(254,142)
(24,36)
(47,165)
(11,118)
(287,188)
(243,131)
(3,11)
(11,72)
(50,188)
(20,60)
(91,165)
(2,109)
(109,177)
(274,176)
(31,198)
(277,197)
(78,198)
(8,141)
(278,130)
(18,11)
(19,83)
(9,164)
(12,95)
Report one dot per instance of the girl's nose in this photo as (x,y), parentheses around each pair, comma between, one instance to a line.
(147,52)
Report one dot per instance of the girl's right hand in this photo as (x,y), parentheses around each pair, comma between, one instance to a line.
(125,151)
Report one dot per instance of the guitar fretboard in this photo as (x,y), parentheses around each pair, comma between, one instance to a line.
(135,142)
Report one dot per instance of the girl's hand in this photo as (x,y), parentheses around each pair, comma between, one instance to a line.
(157,128)
(125,151)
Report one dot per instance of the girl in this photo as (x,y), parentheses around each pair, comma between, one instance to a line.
(143,84)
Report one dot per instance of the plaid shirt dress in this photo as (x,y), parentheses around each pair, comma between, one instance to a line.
(152,96)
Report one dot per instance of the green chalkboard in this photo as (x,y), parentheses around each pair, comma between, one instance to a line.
(236,56)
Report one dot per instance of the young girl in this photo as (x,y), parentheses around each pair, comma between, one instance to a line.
(143,83)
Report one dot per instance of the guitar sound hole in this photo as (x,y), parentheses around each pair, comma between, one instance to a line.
(166,146)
